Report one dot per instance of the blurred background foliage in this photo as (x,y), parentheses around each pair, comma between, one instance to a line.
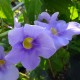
(65,64)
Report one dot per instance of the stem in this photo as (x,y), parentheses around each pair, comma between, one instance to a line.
(51,68)
(15,8)
(24,75)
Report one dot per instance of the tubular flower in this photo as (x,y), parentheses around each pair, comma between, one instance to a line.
(7,70)
(28,44)
(16,24)
(59,30)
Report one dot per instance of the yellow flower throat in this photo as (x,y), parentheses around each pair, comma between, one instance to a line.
(27,43)
(2,62)
(54,31)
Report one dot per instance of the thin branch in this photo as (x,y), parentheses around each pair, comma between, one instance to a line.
(51,68)
(16,7)
(24,75)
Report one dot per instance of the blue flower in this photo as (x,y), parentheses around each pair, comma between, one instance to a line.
(7,70)
(28,44)
(59,30)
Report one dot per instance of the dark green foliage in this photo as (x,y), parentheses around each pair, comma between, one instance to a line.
(74,69)
(5,8)
(33,8)
(60,60)
(65,63)
(60,6)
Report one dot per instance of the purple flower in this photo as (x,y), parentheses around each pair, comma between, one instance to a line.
(16,24)
(7,70)
(28,44)
(59,30)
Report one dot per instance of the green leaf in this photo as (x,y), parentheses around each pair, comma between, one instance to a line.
(2,15)
(40,73)
(20,0)
(59,60)
(33,8)
(6,10)
(60,6)
(4,33)
(73,12)
(20,18)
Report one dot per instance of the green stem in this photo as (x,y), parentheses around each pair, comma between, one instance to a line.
(51,68)
(24,75)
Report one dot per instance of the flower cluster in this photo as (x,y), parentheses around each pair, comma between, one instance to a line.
(60,31)
(30,42)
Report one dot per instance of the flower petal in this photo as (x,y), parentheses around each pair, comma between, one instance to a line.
(60,42)
(74,27)
(46,52)
(44,15)
(45,25)
(1,76)
(30,60)
(67,34)
(33,30)
(2,54)
(11,73)
(16,24)
(15,36)
(47,47)
(1,49)
(15,55)
(60,25)
(54,17)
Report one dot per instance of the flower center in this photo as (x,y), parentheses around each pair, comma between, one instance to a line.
(45,21)
(27,43)
(54,31)
(2,62)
